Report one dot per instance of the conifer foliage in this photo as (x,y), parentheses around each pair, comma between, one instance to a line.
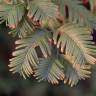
(55,38)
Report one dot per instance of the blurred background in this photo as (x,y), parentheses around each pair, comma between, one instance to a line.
(14,85)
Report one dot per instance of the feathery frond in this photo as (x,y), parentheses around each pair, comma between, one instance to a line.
(23,29)
(55,38)
(26,57)
(76,12)
(11,13)
(73,73)
(42,9)
(76,41)
(50,69)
